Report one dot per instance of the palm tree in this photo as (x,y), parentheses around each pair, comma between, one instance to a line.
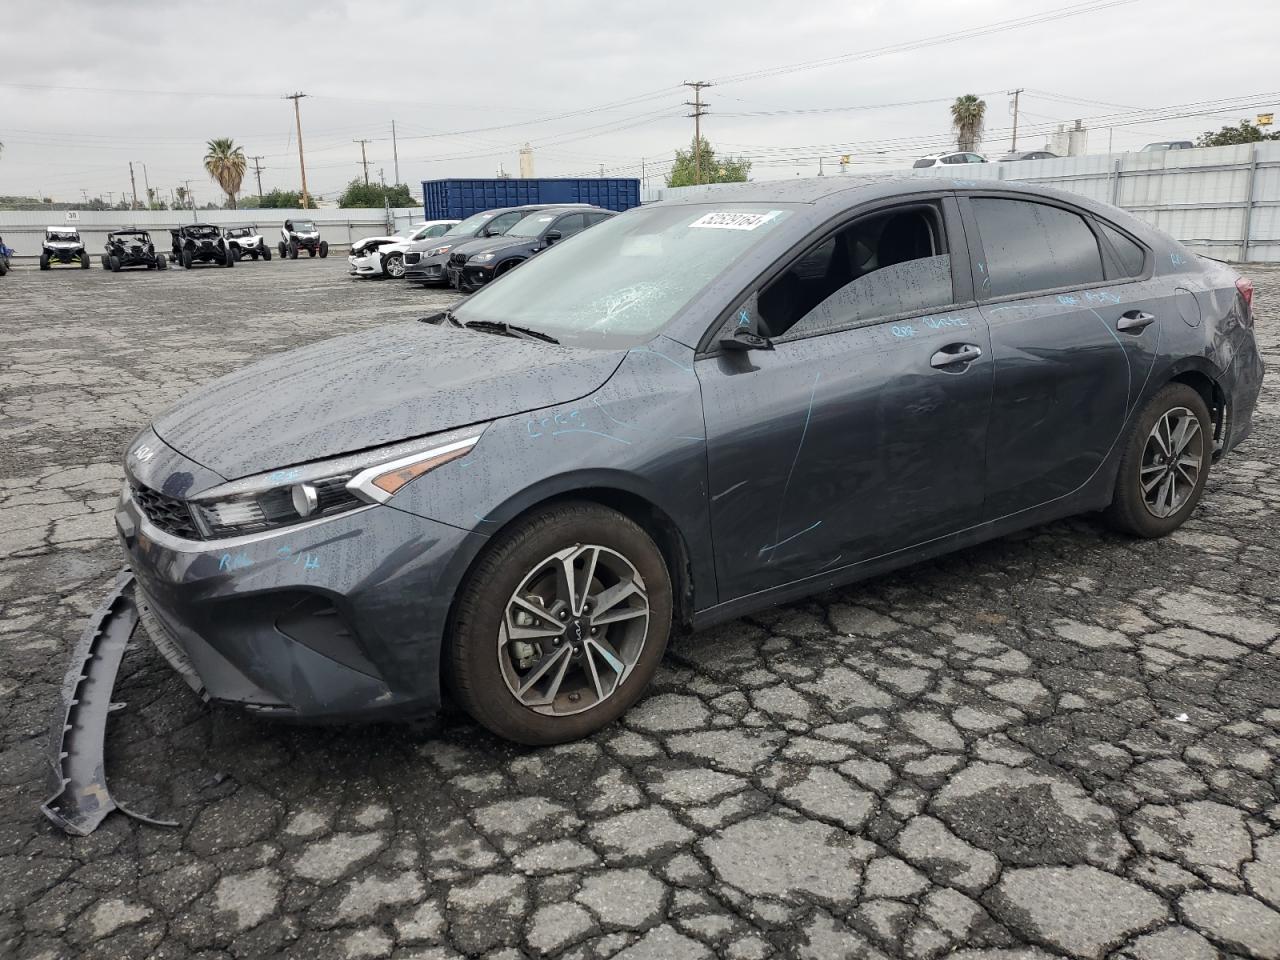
(226,164)
(967,114)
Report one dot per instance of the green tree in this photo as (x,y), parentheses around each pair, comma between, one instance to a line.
(279,200)
(967,116)
(1229,136)
(361,194)
(707,168)
(226,163)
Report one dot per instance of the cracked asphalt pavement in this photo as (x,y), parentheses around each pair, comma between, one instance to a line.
(1060,744)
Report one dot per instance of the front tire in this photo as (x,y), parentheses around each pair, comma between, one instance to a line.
(266,252)
(1165,464)
(161,262)
(44,261)
(293,250)
(324,249)
(187,259)
(394,266)
(114,262)
(84,260)
(282,249)
(561,625)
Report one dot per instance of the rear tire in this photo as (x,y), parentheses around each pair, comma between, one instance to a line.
(482,670)
(324,249)
(1165,464)
(114,263)
(161,262)
(84,260)
(293,250)
(282,249)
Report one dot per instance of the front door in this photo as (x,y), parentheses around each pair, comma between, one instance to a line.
(862,432)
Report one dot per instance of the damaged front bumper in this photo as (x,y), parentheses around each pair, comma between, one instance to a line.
(80,799)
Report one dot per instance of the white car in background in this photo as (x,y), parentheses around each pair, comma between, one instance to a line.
(384,256)
(947,159)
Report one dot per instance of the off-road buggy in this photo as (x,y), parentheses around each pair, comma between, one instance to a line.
(247,242)
(298,235)
(200,243)
(63,245)
(5,254)
(131,248)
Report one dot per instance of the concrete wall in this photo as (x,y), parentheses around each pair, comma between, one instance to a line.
(24,230)
(1223,202)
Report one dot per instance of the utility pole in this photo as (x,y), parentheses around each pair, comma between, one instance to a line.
(191,200)
(395,150)
(1015,94)
(257,172)
(698,111)
(364,162)
(133,186)
(302,165)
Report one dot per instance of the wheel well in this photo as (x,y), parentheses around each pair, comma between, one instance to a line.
(506,265)
(1212,395)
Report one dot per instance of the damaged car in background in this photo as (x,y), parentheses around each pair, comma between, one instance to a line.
(384,256)
(472,265)
(520,498)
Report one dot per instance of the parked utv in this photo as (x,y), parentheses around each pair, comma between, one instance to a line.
(131,248)
(298,235)
(5,254)
(63,245)
(247,242)
(200,243)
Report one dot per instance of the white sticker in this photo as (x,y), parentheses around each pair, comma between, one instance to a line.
(728,220)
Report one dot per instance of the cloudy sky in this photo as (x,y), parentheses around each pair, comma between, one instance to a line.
(87,87)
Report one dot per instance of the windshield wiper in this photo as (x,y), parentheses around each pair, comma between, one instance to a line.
(508,330)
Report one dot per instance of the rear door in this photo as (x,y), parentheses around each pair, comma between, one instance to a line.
(861,432)
(1070,341)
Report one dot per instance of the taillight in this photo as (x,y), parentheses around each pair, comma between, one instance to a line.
(1245,286)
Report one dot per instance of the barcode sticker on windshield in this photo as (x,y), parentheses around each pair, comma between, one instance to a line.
(726,220)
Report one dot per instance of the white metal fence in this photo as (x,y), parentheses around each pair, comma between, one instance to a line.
(23,230)
(1222,201)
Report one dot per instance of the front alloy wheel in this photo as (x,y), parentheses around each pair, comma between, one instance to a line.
(394,267)
(573,630)
(560,625)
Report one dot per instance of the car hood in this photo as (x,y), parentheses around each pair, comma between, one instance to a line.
(350,393)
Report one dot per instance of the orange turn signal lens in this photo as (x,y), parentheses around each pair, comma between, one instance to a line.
(393,480)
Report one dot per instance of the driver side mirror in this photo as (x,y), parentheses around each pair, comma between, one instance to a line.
(743,339)
(551,236)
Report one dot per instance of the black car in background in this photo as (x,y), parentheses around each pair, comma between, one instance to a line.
(1028,155)
(474,264)
(131,248)
(427,261)
(201,243)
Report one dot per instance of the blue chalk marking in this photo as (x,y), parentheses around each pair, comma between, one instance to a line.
(903,330)
(237,562)
(284,476)
(1101,296)
(556,433)
(1068,300)
(529,426)
(775,546)
(312,563)
(937,323)
(621,423)
(483,519)
(1177,259)
(744,319)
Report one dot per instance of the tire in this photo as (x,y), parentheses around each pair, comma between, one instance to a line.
(311,251)
(114,263)
(479,676)
(324,249)
(4,267)
(162,262)
(293,250)
(282,249)
(44,261)
(187,259)
(229,258)
(393,266)
(105,265)
(266,252)
(1132,511)
(254,255)
(84,259)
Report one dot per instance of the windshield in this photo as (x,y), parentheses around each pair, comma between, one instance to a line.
(303,226)
(64,236)
(470,226)
(202,231)
(637,271)
(130,235)
(531,226)
(239,232)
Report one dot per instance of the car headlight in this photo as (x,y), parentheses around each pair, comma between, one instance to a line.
(439,250)
(483,257)
(293,495)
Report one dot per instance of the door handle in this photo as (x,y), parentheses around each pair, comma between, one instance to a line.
(1135,321)
(948,357)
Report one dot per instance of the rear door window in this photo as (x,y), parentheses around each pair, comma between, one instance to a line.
(1131,256)
(504,222)
(1031,247)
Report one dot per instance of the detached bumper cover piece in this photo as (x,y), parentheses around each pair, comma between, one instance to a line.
(80,799)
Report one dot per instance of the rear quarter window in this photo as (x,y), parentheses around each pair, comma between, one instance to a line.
(1131,256)
(1034,246)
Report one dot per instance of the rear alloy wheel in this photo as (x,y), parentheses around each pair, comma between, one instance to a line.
(394,266)
(1165,464)
(561,625)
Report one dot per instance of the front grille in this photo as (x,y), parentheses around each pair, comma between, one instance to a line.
(136,248)
(168,513)
(457,259)
(412,257)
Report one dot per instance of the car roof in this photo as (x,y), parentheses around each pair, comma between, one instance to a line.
(69,228)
